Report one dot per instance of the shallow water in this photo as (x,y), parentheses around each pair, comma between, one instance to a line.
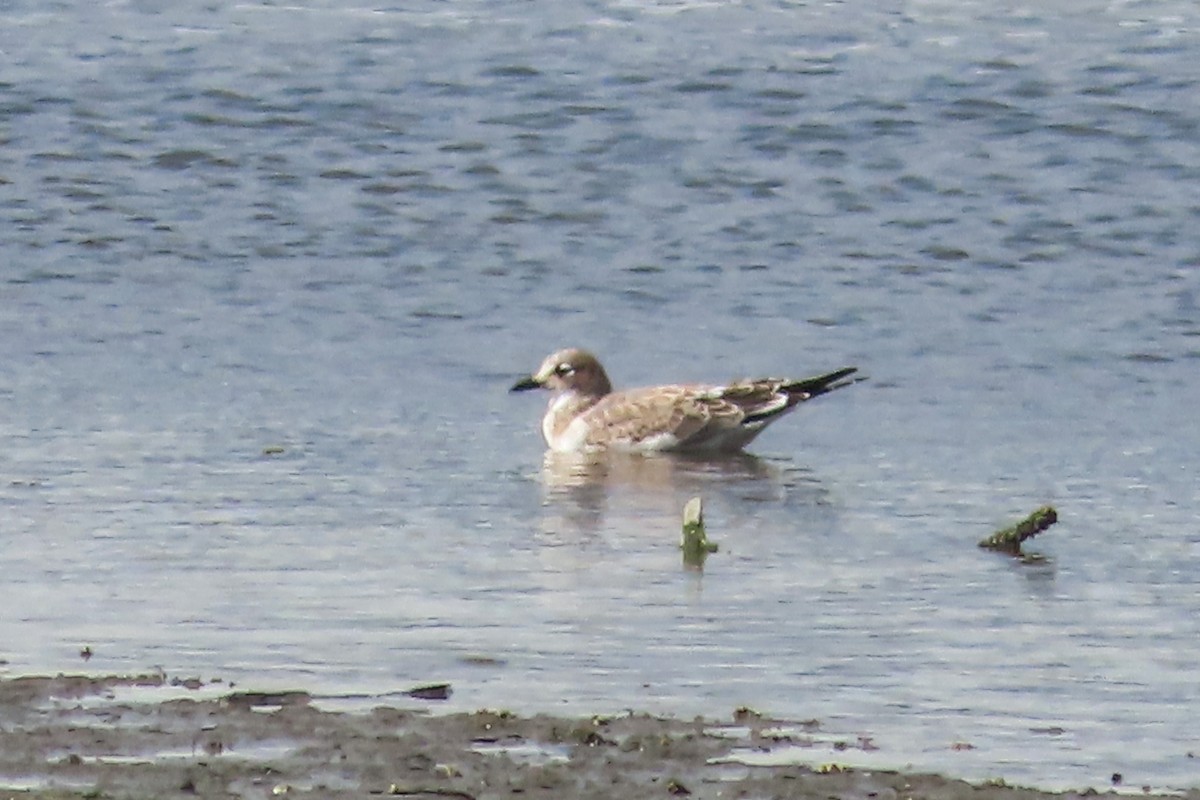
(268,271)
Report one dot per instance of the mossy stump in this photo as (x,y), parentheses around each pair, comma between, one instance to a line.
(1008,540)
(694,540)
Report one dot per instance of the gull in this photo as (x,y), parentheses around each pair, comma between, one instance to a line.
(585,414)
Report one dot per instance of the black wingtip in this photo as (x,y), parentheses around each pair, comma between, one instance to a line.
(823,384)
(839,374)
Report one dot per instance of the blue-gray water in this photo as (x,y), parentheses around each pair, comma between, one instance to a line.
(267,271)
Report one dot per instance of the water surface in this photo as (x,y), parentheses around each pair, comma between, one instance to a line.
(268,270)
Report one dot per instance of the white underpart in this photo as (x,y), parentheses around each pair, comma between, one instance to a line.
(571,440)
(573,437)
(656,443)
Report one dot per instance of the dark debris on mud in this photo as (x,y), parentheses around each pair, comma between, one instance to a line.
(91,737)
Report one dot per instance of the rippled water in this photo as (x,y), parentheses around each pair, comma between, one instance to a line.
(268,270)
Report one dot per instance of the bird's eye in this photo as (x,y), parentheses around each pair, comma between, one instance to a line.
(563,370)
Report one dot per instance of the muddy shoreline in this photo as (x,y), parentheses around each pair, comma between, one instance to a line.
(94,737)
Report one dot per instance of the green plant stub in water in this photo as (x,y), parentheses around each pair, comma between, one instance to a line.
(1009,539)
(694,542)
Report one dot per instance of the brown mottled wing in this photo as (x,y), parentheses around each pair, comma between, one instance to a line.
(767,398)
(639,414)
(756,399)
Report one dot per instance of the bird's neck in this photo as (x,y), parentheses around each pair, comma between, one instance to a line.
(572,403)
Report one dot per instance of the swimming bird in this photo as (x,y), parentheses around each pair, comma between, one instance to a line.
(585,414)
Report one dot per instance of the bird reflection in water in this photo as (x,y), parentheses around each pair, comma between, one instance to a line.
(627,490)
